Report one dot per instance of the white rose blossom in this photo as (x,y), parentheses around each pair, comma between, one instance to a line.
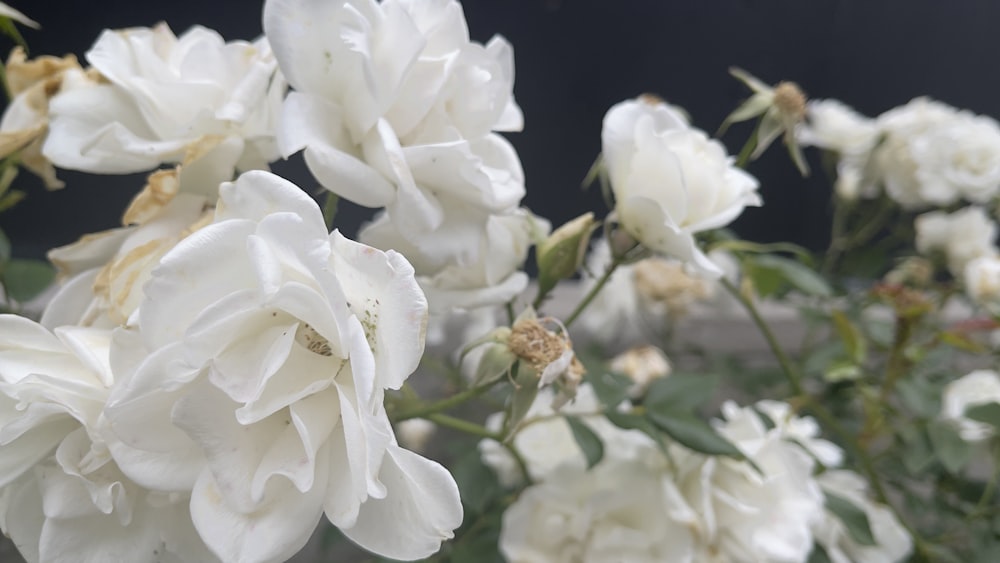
(167,99)
(621,510)
(931,154)
(979,387)
(981,279)
(395,107)
(670,181)
(750,515)
(962,236)
(833,126)
(62,496)
(271,343)
(892,542)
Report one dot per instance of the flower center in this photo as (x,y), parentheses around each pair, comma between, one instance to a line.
(312,340)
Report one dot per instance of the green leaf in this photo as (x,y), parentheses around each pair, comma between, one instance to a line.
(23,280)
(693,432)
(770,273)
(988,413)
(818,555)
(8,28)
(681,392)
(477,483)
(950,449)
(854,519)
(611,388)
(590,444)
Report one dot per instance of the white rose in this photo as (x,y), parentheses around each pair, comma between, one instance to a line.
(962,236)
(979,387)
(751,515)
(833,126)
(892,541)
(622,510)
(982,279)
(492,277)
(546,442)
(62,497)
(671,181)
(169,99)
(961,155)
(272,342)
(933,155)
(394,107)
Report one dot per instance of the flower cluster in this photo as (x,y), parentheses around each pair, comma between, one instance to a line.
(768,507)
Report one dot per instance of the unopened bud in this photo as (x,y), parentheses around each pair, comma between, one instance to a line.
(562,253)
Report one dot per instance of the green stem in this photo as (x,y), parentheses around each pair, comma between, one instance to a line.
(617,261)
(330,205)
(787,367)
(464,426)
(837,240)
(425,411)
(751,145)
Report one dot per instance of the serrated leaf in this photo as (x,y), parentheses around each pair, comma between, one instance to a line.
(680,392)
(774,270)
(988,413)
(23,280)
(693,433)
(590,444)
(949,448)
(854,340)
(611,388)
(854,519)
(920,397)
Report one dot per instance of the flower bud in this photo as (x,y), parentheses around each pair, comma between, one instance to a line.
(562,253)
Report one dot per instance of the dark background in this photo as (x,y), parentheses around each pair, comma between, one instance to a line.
(576,58)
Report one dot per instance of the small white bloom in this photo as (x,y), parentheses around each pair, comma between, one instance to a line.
(622,510)
(892,542)
(982,279)
(63,497)
(172,99)
(395,107)
(546,442)
(751,515)
(962,236)
(979,387)
(931,154)
(671,181)
(271,343)
(833,126)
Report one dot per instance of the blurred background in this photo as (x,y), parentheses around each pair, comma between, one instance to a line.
(575,59)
